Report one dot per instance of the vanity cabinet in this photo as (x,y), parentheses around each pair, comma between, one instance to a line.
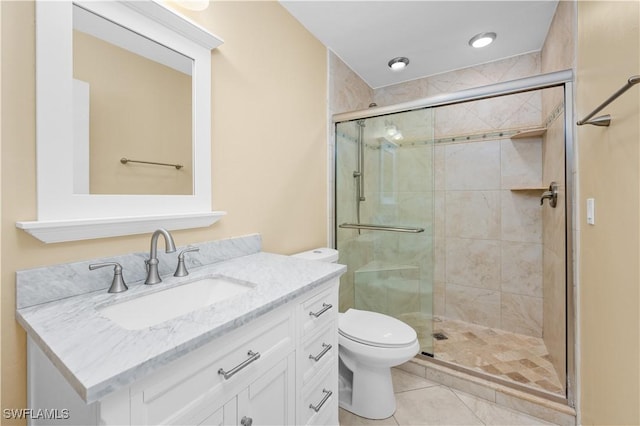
(267,400)
(279,368)
(317,359)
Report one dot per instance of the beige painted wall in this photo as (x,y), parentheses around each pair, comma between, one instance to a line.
(1,38)
(608,53)
(139,109)
(268,150)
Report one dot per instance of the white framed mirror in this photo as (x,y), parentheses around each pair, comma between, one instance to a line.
(68,208)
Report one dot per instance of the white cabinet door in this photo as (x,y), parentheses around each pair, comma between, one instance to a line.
(216,419)
(270,399)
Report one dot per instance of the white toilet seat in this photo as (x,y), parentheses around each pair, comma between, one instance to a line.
(375,329)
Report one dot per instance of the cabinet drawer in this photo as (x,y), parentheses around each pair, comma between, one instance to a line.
(319,310)
(195,383)
(318,351)
(320,400)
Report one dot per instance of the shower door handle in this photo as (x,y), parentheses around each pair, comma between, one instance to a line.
(551,195)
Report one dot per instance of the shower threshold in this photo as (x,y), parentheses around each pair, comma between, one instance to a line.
(542,405)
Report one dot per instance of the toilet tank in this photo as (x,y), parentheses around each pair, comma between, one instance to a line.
(323,254)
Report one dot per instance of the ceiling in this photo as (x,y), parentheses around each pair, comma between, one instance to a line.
(434,35)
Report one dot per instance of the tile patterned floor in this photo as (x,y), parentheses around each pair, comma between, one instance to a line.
(515,357)
(422,402)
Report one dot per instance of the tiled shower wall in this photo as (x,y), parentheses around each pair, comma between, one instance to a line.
(474,260)
(558,53)
(387,270)
(399,193)
(488,238)
(347,92)
(488,231)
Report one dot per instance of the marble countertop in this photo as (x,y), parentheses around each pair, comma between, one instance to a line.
(98,357)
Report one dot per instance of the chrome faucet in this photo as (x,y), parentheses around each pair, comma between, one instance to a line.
(152,263)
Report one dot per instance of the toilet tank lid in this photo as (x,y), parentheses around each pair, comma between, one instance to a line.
(322,254)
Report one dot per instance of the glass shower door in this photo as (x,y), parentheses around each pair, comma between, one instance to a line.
(384,217)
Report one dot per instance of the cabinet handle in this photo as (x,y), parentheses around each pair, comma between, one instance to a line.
(252,357)
(326,349)
(325,308)
(327,395)
(246,421)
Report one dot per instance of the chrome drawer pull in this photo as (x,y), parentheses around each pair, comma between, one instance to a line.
(252,357)
(326,349)
(325,308)
(327,395)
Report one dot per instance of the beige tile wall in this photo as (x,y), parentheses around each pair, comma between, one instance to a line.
(492,259)
(347,92)
(490,263)
(557,54)
(487,239)
(481,75)
(387,271)
(488,252)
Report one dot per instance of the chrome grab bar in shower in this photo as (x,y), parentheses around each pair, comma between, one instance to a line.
(605,120)
(370,227)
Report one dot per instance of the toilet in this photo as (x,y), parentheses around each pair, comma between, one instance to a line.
(370,344)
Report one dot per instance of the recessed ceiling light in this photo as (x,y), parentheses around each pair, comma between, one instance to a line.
(482,40)
(399,63)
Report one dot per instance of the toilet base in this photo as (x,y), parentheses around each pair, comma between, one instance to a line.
(371,395)
(366,388)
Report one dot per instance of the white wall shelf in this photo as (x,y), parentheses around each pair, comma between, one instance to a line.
(57,231)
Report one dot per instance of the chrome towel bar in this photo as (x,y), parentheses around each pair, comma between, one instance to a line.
(370,227)
(605,120)
(124,160)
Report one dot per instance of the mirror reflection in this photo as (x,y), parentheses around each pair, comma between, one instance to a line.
(132,99)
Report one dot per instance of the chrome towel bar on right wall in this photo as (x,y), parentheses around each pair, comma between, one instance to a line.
(605,120)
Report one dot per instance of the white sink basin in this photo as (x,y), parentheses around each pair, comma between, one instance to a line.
(145,311)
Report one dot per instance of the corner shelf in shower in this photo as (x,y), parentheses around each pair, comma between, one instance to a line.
(382,266)
(530,133)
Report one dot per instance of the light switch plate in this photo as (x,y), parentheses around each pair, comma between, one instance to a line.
(591,211)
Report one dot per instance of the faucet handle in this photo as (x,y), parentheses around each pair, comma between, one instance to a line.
(551,195)
(117,285)
(181,270)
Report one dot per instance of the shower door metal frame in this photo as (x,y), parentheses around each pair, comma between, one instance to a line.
(563,79)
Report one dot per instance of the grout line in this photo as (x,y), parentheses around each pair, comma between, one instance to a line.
(498,406)
(415,389)
(455,392)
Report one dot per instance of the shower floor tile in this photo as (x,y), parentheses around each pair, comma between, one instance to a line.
(509,356)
